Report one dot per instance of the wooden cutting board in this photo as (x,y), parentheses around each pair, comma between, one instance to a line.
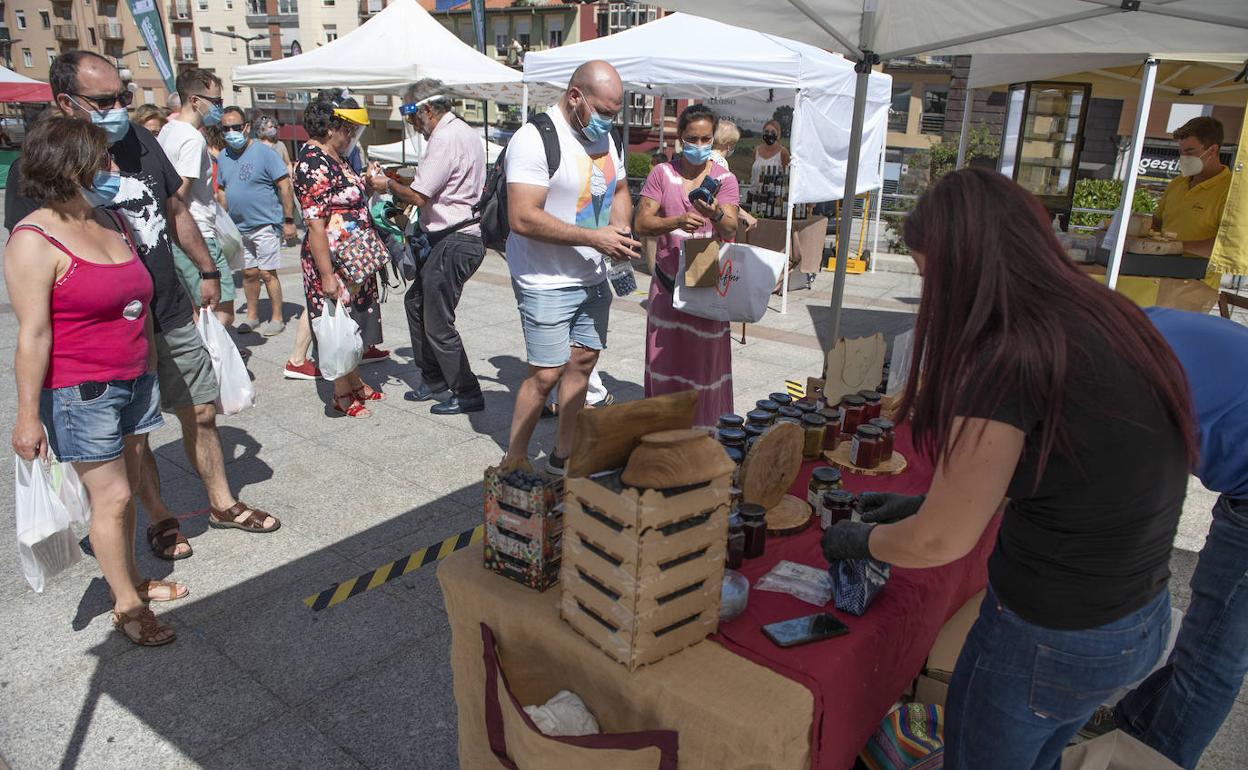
(840,458)
(771,465)
(790,517)
(606,436)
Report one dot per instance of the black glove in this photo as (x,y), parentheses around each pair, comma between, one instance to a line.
(847,540)
(888,508)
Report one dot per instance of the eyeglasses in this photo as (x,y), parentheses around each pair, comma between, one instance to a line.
(408,109)
(219,100)
(100,103)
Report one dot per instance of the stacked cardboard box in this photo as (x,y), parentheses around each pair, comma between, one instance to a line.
(642,569)
(523,529)
(932,686)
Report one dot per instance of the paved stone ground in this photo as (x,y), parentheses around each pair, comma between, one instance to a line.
(256,679)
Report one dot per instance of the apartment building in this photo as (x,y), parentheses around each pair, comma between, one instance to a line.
(34,32)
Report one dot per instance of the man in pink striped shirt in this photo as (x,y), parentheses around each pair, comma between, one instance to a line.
(448,184)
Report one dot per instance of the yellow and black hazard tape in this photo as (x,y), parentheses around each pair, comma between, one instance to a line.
(795,388)
(340,592)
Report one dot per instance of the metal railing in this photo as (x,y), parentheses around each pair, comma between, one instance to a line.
(109,30)
(66,32)
(932,123)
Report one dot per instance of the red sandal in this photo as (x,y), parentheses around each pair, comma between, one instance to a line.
(376,395)
(356,409)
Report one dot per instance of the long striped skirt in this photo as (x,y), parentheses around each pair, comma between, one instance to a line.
(685,352)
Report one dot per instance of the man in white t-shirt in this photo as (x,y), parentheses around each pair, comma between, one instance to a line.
(564,228)
(184,143)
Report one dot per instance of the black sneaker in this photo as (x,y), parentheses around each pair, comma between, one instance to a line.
(555,465)
(1102,722)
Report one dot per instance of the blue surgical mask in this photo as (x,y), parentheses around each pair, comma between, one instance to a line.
(115,122)
(214,114)
(597,127)
(104,188)
(696,154)
(235,140)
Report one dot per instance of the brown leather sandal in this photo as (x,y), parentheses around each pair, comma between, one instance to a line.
(151,632)
(175,590)
(244,517)
(164,537)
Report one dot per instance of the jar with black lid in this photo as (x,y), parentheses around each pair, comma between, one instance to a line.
(832,427)
(767,405)
(853,414)
(813,427)
(867,443)
(759,418)
(790,414)
(874,404)
(755,519)
(730,421)
(781,399)
(836,505)
(736,542)
(890,437)
(806,406)
(732,438)
(822,479)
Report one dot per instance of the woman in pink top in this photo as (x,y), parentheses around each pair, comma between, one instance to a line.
(85,358)
(685,352)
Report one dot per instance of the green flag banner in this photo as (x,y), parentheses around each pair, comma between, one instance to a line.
(147,19)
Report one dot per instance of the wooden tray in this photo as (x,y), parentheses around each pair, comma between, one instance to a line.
(840,458)
(771,465)
(791,516)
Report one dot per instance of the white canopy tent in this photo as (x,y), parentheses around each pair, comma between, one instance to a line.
(870,31)
(399,46)
(395,152)
(662,58)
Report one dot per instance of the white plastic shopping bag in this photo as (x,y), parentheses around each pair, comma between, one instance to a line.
(236,391)
(339,346)
(229,238)
(747,276)
(69,490)
(46,544)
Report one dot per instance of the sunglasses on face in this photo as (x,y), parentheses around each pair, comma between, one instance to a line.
(101,103)
(219,100)
(232,127)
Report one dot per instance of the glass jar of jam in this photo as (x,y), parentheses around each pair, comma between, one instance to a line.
(767,405)
(813,427)
(736,542)
(752,432)
(835,505)
(759,418)
(890,437)
(790,414)
(874,404)
(755,519)
(781,399)
(853,414)
(832,427)
(732,438)
(867,443)
(822,479)
(730,421)
(806,405)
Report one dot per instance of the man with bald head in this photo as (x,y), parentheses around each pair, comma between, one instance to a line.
(567,221)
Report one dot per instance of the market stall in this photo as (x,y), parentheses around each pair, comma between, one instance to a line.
(19,88)
(666,59)
(412,149)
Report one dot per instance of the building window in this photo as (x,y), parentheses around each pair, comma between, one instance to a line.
(287,7)
(45,19)
(899,110)
(261,52)
(641,111)
(51,55)
(149,96)
(501,40)
(375,6)
(144,59)
(20,18)
(91,35)
(554,31)
(229,5)
(266,96)
(381,100)
(327,3)
(622,16)
(256,8)
(524,32)
(28,61)
(233,40)
(935,98)
(331,33)
(205,40)
(203,5)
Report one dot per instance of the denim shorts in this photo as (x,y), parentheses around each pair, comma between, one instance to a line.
(91,430)
(556,319)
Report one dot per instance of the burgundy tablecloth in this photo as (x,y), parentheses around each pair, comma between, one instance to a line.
(856,678)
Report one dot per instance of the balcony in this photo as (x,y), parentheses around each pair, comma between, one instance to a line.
(180,12)
(185,55)
(109,30)
(371,7)
(67,33)
(898,121)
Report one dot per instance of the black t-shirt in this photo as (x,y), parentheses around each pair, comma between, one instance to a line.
(1091,543)
(148,180)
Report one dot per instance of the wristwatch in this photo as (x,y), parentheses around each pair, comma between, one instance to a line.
(289,220)
(718,215)
(210,275)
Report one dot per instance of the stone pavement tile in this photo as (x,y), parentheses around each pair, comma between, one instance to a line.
(496,415)
(284,742)
(1230,746)
(148,708)
(300,654)
(399,714)
(461,466)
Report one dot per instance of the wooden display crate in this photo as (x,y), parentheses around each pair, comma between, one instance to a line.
(523,531)
(642,570)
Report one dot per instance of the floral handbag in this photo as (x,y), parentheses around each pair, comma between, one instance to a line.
(358,254)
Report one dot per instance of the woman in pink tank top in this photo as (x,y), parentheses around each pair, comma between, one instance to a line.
(85,364)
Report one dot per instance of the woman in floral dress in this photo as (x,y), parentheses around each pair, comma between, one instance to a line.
(334,200)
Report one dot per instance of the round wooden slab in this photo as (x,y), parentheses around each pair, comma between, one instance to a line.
(771,465)
(790,517)
(840,458)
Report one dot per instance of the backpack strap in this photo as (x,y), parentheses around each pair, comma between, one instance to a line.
(550,140)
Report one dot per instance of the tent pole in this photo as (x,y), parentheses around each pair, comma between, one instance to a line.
(795,166)
(879,204)
(968,100)
(663,123)
(524,104)
(844,229)
(1128,187)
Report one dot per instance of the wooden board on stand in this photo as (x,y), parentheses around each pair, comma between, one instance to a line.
(789,517)
(771,465)
(840,458)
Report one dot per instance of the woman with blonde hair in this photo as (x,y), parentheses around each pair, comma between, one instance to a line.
(726,137)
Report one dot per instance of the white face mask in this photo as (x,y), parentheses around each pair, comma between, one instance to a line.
(1191,165)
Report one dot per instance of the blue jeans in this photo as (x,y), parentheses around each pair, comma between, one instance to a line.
(1020,691)
(554,320)
(91,429)
(1178,709)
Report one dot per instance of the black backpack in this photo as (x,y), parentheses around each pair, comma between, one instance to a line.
(492,208)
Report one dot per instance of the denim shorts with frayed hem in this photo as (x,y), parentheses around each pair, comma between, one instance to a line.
(556,319)
(91,430)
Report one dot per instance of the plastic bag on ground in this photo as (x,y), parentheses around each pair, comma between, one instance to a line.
(236,391)
(338,342)
(46,544)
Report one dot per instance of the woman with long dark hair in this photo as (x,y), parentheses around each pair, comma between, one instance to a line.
(1035,388)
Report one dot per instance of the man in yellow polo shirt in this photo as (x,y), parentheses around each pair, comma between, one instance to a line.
(1192,205)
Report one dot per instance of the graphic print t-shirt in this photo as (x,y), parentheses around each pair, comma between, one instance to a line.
(579,193)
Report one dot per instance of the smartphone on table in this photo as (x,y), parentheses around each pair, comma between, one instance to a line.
(811,628)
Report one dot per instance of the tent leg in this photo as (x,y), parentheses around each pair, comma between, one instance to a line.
(795,167)
(1133,164)
(879,205)
(663,123)
(967,103)
(844,229)
(524,104)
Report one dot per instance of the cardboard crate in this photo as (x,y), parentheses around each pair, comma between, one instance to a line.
(523,531)
(641,570)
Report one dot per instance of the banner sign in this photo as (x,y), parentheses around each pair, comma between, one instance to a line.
(147,19)
(478,23)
